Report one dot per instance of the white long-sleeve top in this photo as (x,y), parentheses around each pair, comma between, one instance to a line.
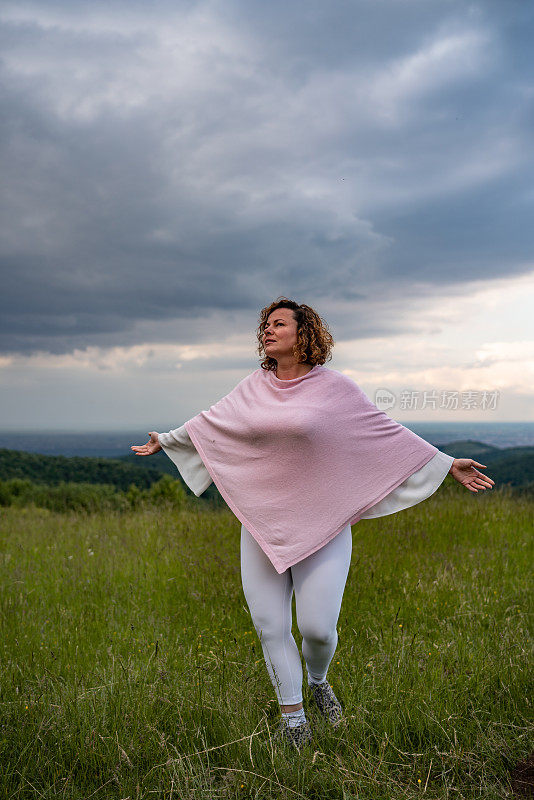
(177,445)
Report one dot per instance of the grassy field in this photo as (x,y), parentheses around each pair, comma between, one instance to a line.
(130,667)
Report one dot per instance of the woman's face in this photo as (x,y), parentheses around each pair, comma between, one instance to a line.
(280,333)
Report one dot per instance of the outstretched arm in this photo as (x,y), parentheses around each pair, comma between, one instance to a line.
(463,470)
(182,452)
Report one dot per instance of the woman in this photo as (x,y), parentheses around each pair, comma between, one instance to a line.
(299,453)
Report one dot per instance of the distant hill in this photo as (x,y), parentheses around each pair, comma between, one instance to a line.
(509,465)
(118,472)
(471,449)
(52,470)
(468,448)
(512,465)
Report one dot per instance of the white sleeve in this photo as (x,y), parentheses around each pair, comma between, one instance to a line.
(414,489)
(178,446)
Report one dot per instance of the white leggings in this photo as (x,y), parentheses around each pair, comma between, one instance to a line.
(319,581)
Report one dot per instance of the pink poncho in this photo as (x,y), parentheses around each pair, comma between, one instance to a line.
(297,460)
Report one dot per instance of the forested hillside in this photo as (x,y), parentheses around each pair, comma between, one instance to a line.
(19,471)
(511,465)
(56,469)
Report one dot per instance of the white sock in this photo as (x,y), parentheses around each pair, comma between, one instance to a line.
(294,718)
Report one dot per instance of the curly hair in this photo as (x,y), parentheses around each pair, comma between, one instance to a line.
(314,340)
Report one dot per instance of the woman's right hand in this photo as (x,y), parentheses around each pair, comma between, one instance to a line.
(152,446)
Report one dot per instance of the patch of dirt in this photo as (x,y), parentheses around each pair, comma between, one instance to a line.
(522,777)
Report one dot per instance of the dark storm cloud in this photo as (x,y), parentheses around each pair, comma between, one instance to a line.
(207,157)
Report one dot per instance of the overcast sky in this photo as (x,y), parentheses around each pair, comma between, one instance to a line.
(169,168)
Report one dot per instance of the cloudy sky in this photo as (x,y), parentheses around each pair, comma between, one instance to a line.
(171,167)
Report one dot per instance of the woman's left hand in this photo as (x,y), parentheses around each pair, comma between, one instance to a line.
(463,470)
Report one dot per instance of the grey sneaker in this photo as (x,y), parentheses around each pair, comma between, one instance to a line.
(327,702)
(298,736)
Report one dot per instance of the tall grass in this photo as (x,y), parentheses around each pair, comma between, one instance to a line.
(130,667)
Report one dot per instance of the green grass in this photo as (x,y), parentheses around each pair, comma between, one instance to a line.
(130,667)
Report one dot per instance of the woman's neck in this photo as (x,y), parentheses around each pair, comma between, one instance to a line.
(286,372)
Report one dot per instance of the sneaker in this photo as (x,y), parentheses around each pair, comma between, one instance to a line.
(298,737)
(327,702)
